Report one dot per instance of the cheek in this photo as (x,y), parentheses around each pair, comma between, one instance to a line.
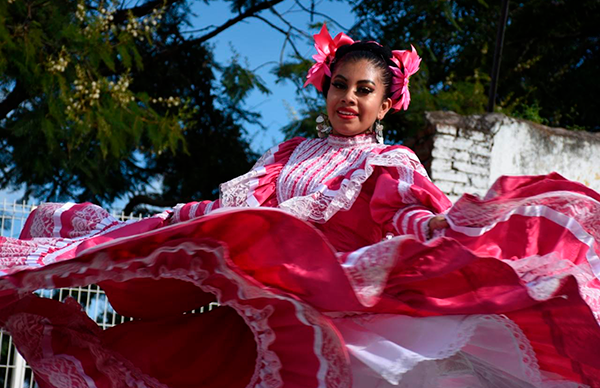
(330,103)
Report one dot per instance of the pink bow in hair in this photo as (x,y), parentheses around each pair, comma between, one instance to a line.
(326,48)
(408,61)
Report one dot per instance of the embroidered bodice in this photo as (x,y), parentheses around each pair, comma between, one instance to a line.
(314,165)
(352,188)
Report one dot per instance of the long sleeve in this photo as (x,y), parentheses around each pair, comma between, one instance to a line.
(404,199)
(187,211)
(255,188)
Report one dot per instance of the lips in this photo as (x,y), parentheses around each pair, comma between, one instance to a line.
(346,113)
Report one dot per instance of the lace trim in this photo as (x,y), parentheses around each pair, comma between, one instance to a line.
(32,334)
(18,255)
(267,158)
(411,362)
(320,206)
(542,275)
(578,213)
(354,141)
(267,365)
(368,269)
(236,192)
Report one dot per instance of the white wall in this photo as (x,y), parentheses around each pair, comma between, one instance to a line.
(523,148)
(470,152)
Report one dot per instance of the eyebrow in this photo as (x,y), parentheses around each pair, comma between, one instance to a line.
(360,81)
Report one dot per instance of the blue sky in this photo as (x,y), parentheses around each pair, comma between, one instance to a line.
(260,44)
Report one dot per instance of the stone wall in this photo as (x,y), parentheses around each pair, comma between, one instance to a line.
(465,154)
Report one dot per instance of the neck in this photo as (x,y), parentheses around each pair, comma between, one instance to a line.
(352,141)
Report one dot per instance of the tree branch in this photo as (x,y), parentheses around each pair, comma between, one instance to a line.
(290,25)
(313,12)
(247,13)
(13,100)
(286,33)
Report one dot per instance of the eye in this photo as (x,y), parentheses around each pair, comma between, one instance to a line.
(338,85)
(364,90)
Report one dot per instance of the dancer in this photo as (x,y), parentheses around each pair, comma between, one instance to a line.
(336,262)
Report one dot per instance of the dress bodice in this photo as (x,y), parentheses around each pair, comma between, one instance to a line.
(353,189)
(321,165)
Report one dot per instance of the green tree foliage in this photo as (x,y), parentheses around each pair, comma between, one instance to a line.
(549,68)
(97,100)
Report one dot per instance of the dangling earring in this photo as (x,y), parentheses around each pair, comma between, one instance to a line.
(323,126)
(378,129)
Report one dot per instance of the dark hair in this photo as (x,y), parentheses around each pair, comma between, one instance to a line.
(377,55)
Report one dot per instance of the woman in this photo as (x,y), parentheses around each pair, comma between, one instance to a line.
(336,262)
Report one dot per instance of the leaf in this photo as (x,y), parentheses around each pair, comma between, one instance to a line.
(107,58)
(124,55)
(483,2)
(139,63)
(449,14)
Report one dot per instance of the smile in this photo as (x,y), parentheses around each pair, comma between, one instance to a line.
(346,114)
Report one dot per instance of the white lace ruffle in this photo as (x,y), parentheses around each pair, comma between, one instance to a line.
(485,351)
(320,205)
(368,269)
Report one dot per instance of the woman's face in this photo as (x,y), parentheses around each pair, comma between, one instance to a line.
(356,98)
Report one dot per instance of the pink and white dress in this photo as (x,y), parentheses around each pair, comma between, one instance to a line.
(327,276)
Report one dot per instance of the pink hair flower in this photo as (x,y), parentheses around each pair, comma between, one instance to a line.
(326,48)
(408,62)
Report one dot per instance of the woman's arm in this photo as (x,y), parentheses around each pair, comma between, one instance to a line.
(405,201)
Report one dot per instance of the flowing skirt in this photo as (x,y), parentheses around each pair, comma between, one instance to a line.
(508,296)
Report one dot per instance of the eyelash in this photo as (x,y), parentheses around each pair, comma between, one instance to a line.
(363,90)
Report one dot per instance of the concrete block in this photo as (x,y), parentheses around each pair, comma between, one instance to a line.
(444,141)
(445,186)
(461,144)
(473,135)
(462,156)
(443,153)
(453,176)
(439,164)
(447,129)
(470,168)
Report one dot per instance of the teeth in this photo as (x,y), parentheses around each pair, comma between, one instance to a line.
(346,113)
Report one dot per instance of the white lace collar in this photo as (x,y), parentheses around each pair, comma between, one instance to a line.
(354,141)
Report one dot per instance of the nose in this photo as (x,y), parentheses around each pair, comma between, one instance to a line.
(349,97)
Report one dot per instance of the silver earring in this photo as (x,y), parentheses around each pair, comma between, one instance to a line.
(378,131)
(323,126)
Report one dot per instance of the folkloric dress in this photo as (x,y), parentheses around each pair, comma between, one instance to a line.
(327,276)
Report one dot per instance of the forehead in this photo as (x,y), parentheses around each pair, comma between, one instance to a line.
(358,70)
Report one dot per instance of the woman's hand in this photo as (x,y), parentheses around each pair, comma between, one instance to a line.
(437,222)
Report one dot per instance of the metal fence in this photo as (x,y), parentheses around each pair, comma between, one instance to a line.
(14,372)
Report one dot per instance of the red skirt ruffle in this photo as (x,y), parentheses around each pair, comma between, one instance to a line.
(526,253)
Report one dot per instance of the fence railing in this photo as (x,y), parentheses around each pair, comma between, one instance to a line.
(14,372)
